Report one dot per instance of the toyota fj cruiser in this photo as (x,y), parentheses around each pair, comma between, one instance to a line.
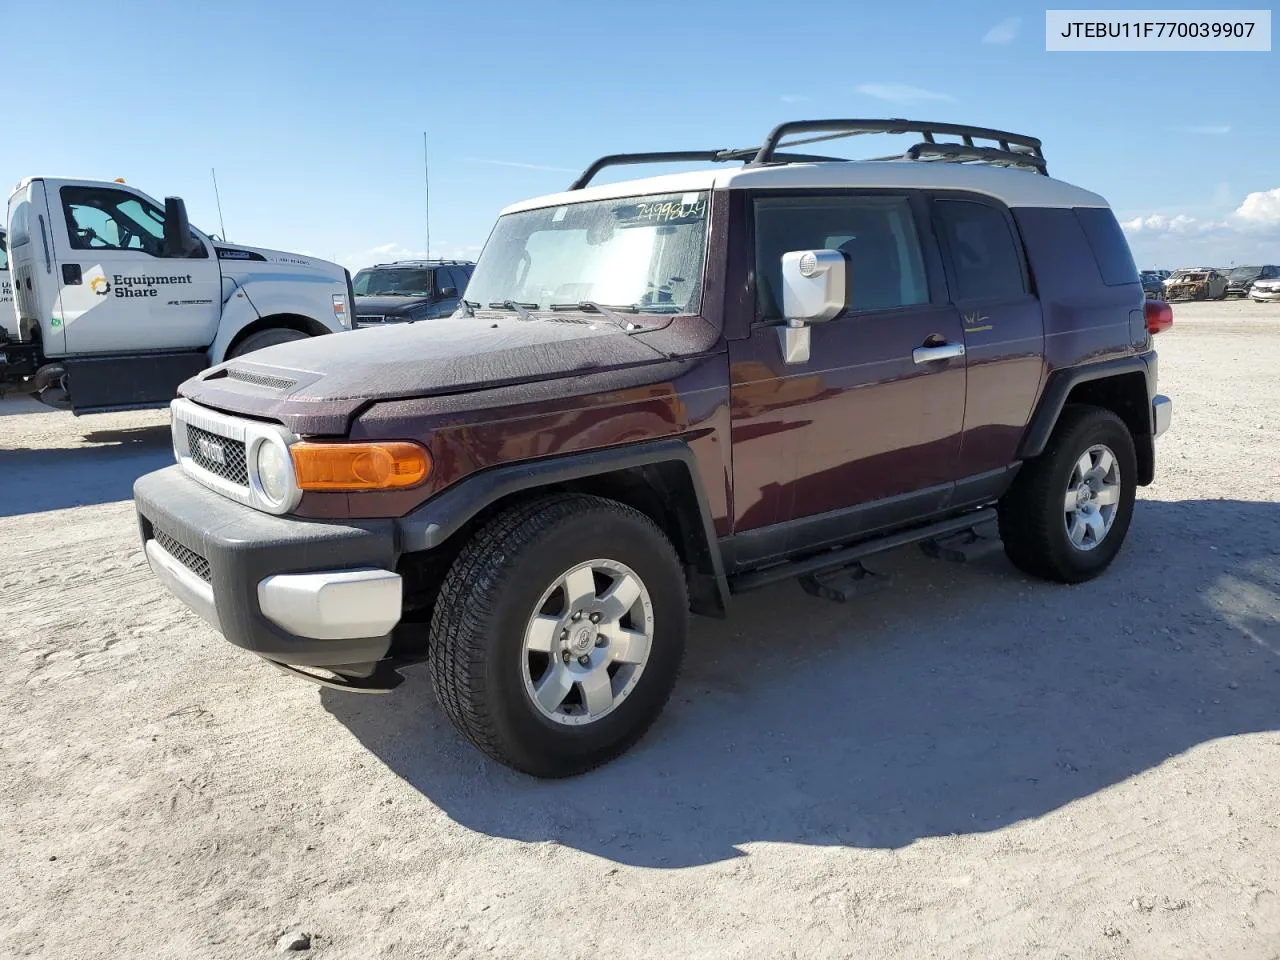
(657,394)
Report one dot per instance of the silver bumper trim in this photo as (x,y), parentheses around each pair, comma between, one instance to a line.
(334,604)
(1161,413)
(182,583)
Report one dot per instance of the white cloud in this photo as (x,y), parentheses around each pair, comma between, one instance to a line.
(1210,131)
(521,166)
(389,252)
(901,93)
(1261,208)
(1159,223)
(794,98)
(1006,31)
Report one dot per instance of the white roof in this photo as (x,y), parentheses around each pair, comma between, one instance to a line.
(1016,188)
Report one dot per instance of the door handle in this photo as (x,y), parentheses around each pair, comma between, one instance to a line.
(943,351)
(71,274)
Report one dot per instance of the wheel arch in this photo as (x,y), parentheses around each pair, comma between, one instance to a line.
(281,321)
(658,478)
(1123,386)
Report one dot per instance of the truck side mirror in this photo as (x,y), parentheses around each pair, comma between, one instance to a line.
(815,289)
(178,241)
(448,292)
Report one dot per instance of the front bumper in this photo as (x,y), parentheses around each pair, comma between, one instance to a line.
(297,592)
(1264,295)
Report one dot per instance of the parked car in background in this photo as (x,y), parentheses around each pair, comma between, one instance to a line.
(409,290)
(1265,290)
(1152,285)
(1202,283)
(1241,280)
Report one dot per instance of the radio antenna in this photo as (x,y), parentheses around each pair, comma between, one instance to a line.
(221,226)
(426,187)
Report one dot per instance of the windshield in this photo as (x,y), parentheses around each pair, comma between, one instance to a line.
(641,252)
(4,254)
(392,283)
(1245,273)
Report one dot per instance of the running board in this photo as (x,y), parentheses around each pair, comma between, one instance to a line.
(843,557)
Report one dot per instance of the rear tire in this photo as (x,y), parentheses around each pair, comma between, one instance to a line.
(266,338)
(1043,533)
(524,679)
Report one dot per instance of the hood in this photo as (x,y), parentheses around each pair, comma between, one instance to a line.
(388,306)
(316,385)
(235,258)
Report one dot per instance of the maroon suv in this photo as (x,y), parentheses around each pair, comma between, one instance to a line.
(660,393)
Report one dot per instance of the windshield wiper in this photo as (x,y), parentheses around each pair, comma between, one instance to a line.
(608,312)
(521,309)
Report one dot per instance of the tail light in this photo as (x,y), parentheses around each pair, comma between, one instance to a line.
(1159,316)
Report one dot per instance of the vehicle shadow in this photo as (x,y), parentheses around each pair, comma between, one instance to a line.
(958,699)
(33,480)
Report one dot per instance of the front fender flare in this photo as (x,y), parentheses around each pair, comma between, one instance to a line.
(441,517)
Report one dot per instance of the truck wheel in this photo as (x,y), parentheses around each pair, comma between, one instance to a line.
(1068,510)
(558,633)
(266,338)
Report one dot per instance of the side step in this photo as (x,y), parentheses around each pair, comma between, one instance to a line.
(965,546)
(844,584)
(845,556)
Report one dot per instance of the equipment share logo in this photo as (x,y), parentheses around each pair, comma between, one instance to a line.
(100,285)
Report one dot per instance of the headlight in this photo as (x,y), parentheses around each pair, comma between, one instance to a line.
(274,475)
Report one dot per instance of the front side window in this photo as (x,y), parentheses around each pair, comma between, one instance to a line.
(106,219)
(392,282)
(877,235)
(984,257)
(644,253)
(4,255)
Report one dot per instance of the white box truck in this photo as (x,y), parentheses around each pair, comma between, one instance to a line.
(117,299)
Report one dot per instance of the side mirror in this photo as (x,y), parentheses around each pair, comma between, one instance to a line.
(448,292)
(178,241)
(815,289)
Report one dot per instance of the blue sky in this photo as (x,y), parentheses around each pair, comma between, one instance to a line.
(313,113)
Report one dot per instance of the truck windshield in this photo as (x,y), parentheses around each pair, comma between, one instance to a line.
(1245,273)
(640,252)
(392,283)
(4,254)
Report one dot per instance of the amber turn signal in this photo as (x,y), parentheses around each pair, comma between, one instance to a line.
(360,466)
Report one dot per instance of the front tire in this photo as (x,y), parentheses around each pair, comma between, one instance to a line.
(265,338)
(558,633)
(1067,513)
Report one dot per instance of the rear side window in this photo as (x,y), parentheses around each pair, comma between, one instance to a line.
(1110,249)
(18,229)
(984,255)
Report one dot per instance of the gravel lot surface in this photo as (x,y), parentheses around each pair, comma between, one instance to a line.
(964,764)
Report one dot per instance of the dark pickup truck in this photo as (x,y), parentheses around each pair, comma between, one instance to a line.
(658,394)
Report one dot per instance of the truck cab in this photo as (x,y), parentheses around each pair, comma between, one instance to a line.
(117,299)
(6,287)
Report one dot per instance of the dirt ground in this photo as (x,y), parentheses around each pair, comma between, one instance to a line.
(965,764)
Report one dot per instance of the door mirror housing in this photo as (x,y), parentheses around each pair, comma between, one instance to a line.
(178,241)
(447,292)
(815,289)
(815,285)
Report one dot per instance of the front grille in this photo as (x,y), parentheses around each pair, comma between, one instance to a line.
(188,558)
(221,456)
(371,318)
(261,379)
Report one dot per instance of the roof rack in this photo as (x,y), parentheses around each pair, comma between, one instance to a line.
(1008,149)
